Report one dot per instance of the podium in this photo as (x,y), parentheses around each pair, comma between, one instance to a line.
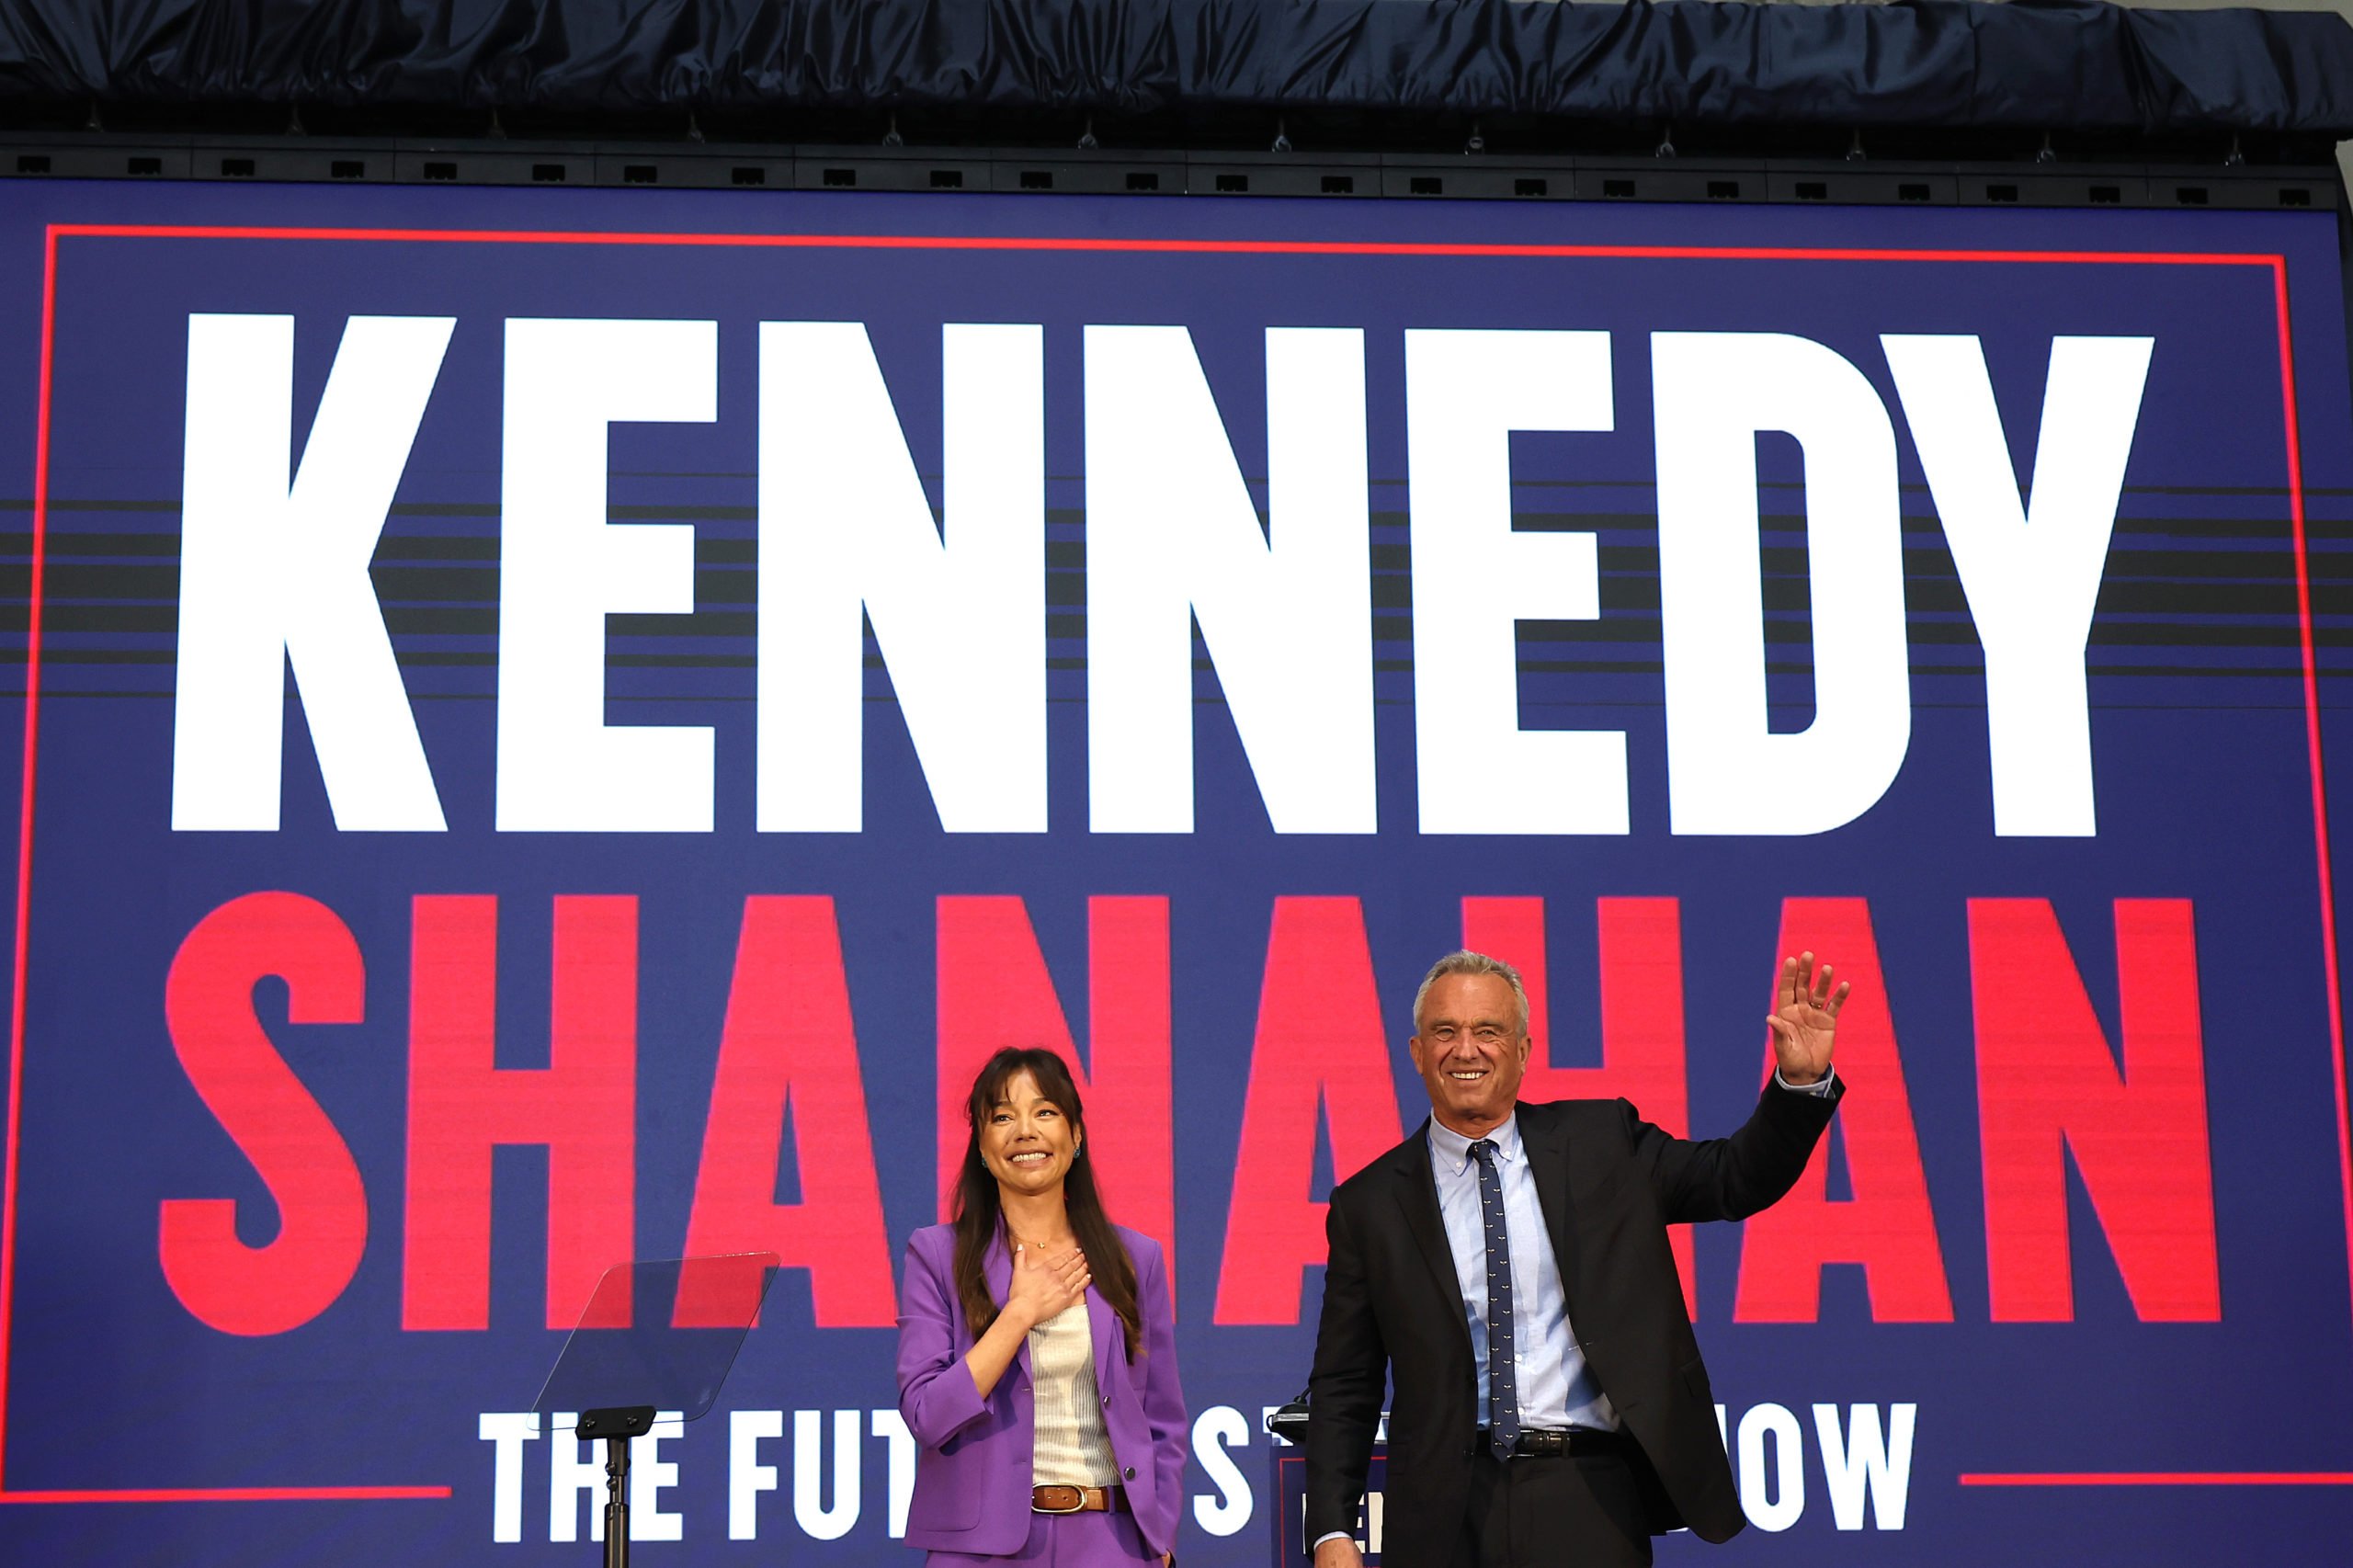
(1287,1470)
(1292,1547)
(655,1336)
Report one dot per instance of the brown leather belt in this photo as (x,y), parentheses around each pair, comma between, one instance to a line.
(1078,1500)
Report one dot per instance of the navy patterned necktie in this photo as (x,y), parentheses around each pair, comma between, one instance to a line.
(1503,1394)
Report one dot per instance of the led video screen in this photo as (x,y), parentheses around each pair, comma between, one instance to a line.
(563,726)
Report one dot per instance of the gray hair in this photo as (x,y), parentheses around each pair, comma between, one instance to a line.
(1464,962)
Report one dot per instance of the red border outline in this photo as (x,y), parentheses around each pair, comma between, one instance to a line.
(25,836)
(55,232)
(234,1495)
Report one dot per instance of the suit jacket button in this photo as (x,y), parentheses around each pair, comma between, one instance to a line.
(1130,1473)
(1107,1398)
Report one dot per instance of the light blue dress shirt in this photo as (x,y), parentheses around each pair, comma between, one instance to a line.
(1556,1388)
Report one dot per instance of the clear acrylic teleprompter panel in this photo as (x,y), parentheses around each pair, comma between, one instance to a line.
(660,1332)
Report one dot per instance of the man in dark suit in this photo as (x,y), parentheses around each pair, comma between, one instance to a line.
(1508,1266)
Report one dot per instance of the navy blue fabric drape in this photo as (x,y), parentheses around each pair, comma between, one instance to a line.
(2066,65)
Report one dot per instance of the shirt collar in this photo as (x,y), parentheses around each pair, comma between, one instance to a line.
(1452,1151)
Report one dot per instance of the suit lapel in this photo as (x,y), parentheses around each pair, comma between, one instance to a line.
(1417,1196)
(996,1267)
(1105,1323)
(1545,1140)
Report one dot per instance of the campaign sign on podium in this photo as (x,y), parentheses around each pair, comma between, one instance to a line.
(1292,1549)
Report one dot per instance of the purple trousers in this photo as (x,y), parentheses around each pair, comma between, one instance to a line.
(1067,1540)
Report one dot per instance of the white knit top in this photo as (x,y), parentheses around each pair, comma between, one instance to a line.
(1072,1448)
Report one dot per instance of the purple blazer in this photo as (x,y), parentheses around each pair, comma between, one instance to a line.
(972,1474)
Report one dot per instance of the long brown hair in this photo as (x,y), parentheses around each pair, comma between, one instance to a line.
(980,1218)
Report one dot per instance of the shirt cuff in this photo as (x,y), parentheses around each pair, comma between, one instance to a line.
(1819,1088)
(1335,1535)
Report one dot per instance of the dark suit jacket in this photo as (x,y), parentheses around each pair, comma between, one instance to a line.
(1610,1184)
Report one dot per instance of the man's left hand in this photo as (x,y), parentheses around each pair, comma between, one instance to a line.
(1804,1020)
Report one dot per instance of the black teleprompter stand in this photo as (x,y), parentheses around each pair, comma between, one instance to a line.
(616,1427)
(656,1342)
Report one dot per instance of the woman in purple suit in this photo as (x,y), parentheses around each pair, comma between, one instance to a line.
(1037,1350)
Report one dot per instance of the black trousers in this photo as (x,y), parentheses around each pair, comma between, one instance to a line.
(1554,1511)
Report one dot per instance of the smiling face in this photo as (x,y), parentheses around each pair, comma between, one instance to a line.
(1471,1049)
(1026,1140)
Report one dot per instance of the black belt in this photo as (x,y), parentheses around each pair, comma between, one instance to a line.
(1535,1442)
